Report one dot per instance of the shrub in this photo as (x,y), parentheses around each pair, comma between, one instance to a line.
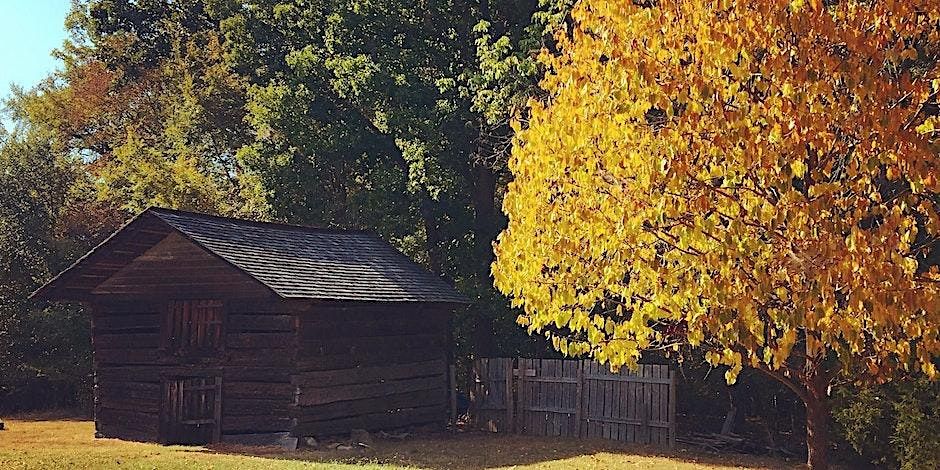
(893,425)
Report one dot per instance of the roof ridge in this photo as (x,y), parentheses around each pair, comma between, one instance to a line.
(412,265)
(289,260)
(156,210)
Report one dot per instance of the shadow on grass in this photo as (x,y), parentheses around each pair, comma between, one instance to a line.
(471,451)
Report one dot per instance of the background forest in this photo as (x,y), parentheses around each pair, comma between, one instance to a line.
(385,115)
(389,116)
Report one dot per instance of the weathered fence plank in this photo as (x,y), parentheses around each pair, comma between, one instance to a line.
(575,398)
(672,409)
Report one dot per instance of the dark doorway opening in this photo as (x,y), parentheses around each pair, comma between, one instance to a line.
(192,410)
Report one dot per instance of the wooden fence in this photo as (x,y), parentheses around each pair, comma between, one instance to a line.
(575,398)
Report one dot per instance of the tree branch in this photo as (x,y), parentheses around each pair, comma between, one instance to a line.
(789,382)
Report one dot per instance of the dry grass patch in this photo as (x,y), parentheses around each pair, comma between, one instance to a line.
(70,444)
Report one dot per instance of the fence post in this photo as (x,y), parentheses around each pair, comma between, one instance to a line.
(474,391)
(520,392)
(645,405)
(672,409)
(578,400)
(510,402)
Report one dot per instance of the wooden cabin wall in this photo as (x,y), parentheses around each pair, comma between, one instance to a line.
(261,347)
(255,366)
(128,390)
(371,366)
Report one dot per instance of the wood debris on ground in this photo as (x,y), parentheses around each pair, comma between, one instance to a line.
(730,442)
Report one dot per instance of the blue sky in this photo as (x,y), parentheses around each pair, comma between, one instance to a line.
(29,30)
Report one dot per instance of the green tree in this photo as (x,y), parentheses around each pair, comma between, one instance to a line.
(391,107)
(44,352)
(147,99)
(892,424)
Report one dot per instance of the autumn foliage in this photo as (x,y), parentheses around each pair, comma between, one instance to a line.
(758,179)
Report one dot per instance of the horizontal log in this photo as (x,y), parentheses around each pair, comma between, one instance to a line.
(259,340)
(353,345)
(197,269)
(359,375)
(374,421)
(270,391)
(134,420)
(128,403)
(380,356)
(383,312)
(260,323)
(159,270)
(197,422)
(129,390)
(282,357)
(356,327)
(130,386)
(184,289)
(116,374)
(157,373)
(172,277)
(255,407)
(107,307)
(266,306)
(256,424)
(320,396)
(127,322)
(256,374)
(171,371)
(126,356)
(326,311)
(127,340)
(389,403)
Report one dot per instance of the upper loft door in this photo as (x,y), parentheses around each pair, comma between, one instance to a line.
(194,328)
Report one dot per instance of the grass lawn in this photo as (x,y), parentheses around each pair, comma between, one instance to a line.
(70,444)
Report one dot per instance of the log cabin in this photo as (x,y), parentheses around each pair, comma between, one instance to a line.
(208,329)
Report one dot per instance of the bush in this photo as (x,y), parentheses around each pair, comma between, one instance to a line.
(894,424)
(916,440)
(45,358)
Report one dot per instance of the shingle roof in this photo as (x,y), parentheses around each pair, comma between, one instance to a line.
(312,263)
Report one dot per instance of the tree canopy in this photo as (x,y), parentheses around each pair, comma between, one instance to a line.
(757,179)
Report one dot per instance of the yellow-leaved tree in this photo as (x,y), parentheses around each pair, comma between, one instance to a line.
(755,178)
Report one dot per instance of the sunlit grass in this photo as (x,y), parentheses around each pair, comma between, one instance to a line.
(70,444)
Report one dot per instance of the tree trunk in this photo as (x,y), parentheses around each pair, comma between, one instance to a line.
(817,432)
(816,399)
(484,208)
(813,389)
(433,241)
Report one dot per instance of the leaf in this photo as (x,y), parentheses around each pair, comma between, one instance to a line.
(798,168)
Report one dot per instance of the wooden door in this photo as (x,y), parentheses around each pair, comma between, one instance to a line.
(192,410)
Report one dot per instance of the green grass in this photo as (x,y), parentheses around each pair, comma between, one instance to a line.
(70,444)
